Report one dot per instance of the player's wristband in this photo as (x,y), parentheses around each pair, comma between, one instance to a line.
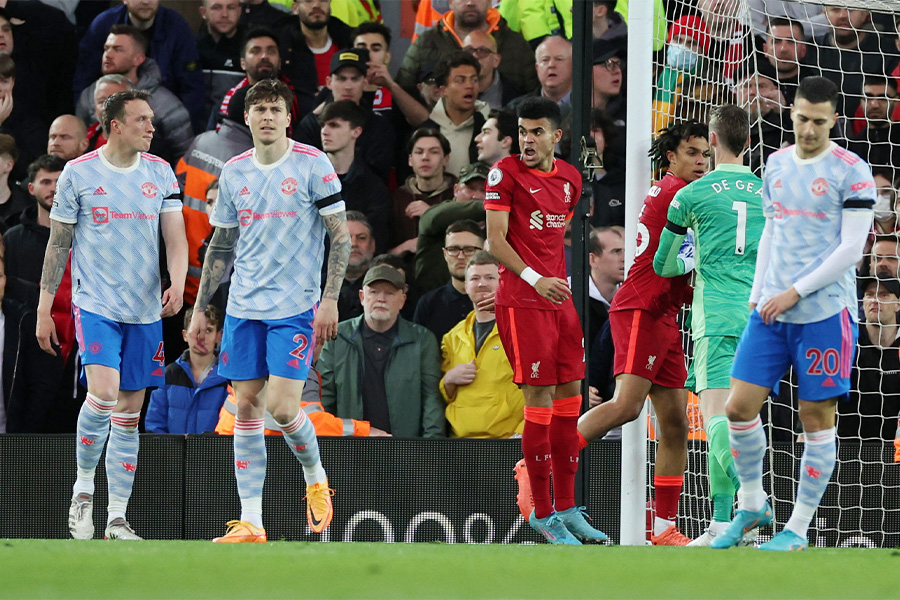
(530,276)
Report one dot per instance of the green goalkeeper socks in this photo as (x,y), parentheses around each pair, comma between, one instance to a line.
(723,481)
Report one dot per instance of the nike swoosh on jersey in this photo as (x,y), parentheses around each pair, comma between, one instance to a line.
(534,191)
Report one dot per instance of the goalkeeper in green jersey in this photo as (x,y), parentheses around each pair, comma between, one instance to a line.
(724,212)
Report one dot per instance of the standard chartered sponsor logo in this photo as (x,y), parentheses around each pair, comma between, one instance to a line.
(537,220)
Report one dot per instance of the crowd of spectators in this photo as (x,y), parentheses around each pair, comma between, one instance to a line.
(416,354)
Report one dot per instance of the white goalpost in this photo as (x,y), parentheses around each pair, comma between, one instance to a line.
(862,504)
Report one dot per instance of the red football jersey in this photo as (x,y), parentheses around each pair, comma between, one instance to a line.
(643,289)
(539,206)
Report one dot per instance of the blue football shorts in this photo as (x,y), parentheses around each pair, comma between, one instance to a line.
(821,354)
(255,349)
(134,350)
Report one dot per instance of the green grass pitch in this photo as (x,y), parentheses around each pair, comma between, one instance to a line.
(174,569)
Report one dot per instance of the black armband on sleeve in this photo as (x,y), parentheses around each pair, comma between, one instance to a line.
(332,199)
(858,203)
(676,229)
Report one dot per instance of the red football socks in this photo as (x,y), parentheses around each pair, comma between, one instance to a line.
(536,450)
(564,450)
(668,491)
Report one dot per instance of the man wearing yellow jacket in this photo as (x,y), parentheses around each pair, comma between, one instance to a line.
(482,400)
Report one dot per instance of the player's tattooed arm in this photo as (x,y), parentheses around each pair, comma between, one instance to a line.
(56,256)
(55,259)
(339,255)
(218,255)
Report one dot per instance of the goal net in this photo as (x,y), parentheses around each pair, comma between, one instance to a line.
(753,53)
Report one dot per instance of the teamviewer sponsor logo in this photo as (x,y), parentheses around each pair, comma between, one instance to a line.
(245,216)
(537,220)
(100,214)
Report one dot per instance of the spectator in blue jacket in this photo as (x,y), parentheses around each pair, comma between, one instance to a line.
(172,46)
(194,392)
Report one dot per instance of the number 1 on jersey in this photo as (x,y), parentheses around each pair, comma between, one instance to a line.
(740,235)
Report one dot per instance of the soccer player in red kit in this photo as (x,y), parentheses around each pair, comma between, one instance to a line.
(649,355)
(529,199)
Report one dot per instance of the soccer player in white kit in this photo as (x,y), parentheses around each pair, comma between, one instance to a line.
(109,208)
(276,202)
(817,200)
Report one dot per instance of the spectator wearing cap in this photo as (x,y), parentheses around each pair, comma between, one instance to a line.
(29,131)
(482,400)
(201,165)
(688,43)
(786,50)
(260,59)
(459,114)
(125,53)
(105,87)
(608,79)
(219,43)
(429,184)
(442,308)
(381,368)
(429,90)
(170,44)
(467,203)
(310,42)
(493,87)
(446,37)
(606,23)
(758,93)
(375,145)
(874,406)
(342,124)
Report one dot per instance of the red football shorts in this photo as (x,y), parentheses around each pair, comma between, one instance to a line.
(544,347)
(648,347)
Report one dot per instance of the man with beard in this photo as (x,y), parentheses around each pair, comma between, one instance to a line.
(260,59)
(24,247)
(219,43)
(309,43)
(879,142)
(362,249)
(170,44)
(125,53)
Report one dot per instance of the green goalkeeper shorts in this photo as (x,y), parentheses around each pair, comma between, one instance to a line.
(713,357)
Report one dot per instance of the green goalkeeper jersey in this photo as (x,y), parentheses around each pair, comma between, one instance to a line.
(724,210)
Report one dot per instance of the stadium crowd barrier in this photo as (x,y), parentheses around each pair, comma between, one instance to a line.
(397,490)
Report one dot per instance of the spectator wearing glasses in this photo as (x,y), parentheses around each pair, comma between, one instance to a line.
(493,88)
(468,203)
(441,309)
(608,77)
